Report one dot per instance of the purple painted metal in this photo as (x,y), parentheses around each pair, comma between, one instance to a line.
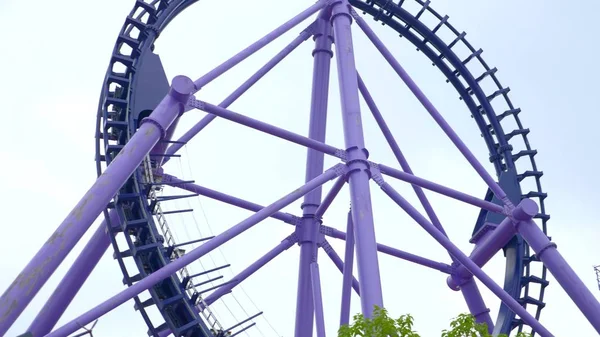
(304,35)
(387,133)
(358,177)
(74,278)
(173,181)
(308,232)
(461,257)
(337,261)
(244,274)
(54,251)
(251,269)
(444,268)
(414,180)
(333,192)
(475,303)
(265,127)
(239,57)
(195,254)
(484,251)
(317,299)
(471,293)
(347,272)
(304,300)
(560,269)
(431,109)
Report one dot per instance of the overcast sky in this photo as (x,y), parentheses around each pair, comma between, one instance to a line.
(53,60)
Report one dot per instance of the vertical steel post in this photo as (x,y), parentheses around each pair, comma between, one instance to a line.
(358,176)
(308,231)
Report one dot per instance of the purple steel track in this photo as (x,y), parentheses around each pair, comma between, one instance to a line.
(332,35)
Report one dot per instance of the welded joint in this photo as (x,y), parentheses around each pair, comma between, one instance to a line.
(309,231)
(292,239)
(376,175)
(326,230)
(161,130)
(193,102)
(455,281)
(523,212)
(294,220)
(483,312)
(546,247)
(340,170)
(341,154)
(325,246)
(181,91)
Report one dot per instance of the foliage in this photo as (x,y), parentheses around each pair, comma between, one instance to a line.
(381,325)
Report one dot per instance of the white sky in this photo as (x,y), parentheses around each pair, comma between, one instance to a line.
(543,54)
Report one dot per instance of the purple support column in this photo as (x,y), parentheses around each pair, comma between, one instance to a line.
(318,299)
(462,258)
(304,35)
(309,231)
(244,274)
(74,278)
(475,303)
(53,252)
(195,254)
(563,273)
(173,181)
(362,213)
(347,273)
(471,293)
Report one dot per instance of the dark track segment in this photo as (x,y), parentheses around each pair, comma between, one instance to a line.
(117,120)
(519,278)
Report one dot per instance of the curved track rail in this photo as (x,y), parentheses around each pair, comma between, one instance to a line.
(146,244)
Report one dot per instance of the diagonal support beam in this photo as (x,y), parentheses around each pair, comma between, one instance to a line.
(393,144)
(195,254)
(173,181)
(547,252)
(340,265)
(414,180)
(266,128)
(304,35)
(444,268)
(460,145)
(94,201)
(265,40)
(73,280)
(461,257)
(333,192)
(251,269)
